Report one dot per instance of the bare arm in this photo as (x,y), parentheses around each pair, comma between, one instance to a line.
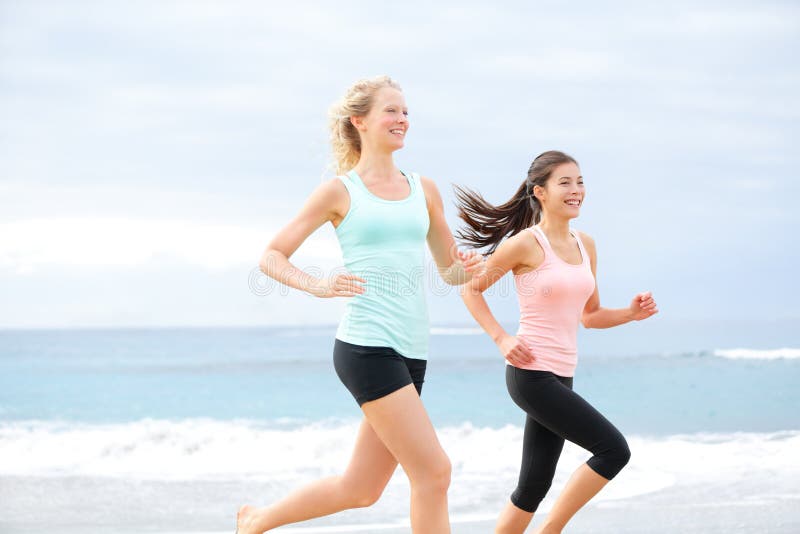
(509,255)
(595,316)
(454,266)
(329,202)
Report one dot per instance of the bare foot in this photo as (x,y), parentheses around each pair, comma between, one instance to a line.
(245,519)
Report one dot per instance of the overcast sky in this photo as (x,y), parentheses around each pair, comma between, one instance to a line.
(149,150)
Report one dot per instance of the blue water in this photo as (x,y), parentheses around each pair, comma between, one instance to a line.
(171,430)
(286,377)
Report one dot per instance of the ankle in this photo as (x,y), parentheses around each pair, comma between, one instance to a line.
(250,520)
(548,527)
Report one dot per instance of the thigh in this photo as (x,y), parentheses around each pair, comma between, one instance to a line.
(371,464)
(554,405)
(369,373)
(580,423)
(402,424)
(541,449)
(416,368)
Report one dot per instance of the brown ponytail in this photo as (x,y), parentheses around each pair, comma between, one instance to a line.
(488,225)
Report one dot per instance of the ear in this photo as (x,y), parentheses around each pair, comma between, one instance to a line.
(539,192)
(358,122)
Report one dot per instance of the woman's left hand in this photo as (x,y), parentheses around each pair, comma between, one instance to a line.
(643,306)
(473,262)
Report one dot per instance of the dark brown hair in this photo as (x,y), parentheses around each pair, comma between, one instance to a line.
(488,225)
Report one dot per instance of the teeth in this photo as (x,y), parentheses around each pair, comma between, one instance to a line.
(573,202)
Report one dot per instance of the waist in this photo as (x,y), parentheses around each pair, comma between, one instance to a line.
(404,328)
(550,354)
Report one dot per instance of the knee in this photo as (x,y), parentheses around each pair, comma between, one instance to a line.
(621,454)
(435,478)
(528,497)
(611,461)
(361,496)
(625,453)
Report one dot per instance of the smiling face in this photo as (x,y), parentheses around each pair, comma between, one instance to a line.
(384,127)
(563,194)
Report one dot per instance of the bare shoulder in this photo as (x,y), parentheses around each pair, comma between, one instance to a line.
(427,182)
(429,185)
(431,191)
(331,197)
(525,250)
(588,241)
(591,248)
(332,188)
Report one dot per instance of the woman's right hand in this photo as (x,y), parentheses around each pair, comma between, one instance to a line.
(514,350)
(341,285)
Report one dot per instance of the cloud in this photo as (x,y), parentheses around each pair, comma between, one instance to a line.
(31,245)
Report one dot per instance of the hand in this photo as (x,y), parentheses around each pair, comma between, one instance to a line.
(473,262)
(515,351)
(643,306)
(341,285)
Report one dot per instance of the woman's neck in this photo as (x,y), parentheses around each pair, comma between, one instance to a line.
(376,166)
(556,229)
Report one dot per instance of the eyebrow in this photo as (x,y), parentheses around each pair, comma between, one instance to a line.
(568,178)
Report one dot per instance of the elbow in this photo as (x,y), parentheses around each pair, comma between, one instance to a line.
(469,293)
(586,320)
(454,275)
(267,261)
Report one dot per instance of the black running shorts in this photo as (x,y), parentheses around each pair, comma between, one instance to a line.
(373,372)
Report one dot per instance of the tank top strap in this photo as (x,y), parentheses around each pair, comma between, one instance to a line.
(584,254)
(352,179)
(541,238)
(413,179)
(352,188)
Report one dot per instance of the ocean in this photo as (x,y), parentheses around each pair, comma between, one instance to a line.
(170,430)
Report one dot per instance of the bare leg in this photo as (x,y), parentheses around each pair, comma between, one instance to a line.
(582,486)
(512,520)
(401,422)
(370,468)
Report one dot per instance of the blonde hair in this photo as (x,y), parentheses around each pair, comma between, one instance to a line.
(357,102)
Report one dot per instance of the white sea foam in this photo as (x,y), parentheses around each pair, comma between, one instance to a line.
(485,460)
(758,354)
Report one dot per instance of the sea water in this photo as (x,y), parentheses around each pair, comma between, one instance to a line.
(169,430)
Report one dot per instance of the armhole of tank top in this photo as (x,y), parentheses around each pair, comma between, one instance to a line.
(413,180)
(349,186)
(416,186)
(543,244)
(540,238)
(584,252)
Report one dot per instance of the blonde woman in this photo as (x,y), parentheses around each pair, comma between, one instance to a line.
(383,216)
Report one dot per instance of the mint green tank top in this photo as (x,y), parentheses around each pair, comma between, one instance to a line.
(383,242)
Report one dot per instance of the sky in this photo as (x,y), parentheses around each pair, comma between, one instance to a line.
(150,150)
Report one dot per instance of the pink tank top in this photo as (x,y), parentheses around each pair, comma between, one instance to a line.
(551,300)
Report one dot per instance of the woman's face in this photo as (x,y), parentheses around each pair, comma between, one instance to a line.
(563,193)
(386,124)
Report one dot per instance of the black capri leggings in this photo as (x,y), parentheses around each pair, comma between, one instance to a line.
(556,413)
